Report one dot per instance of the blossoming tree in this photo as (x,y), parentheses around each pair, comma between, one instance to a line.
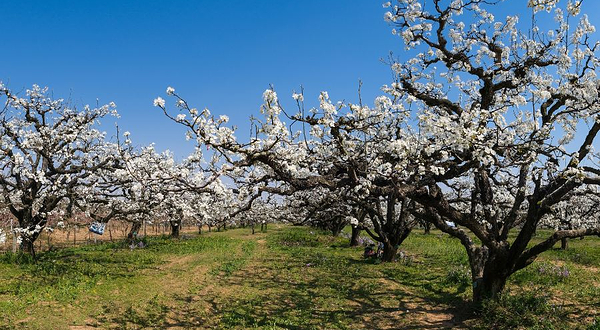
(485,126)
(347,151)
(48,151)
(508,119)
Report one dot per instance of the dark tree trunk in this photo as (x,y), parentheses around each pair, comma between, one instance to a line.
(391,224)
(354,239)
(389,252)
(488,287)
(175,228)
(489,274)
(252,225)
(336,231)
(392,243)
(133,232)
(427,227)
(26,221)
(390,247)
(27,246)
(335,225)
(564,243)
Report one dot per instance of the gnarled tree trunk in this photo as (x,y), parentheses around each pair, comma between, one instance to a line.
(28,221)
(489,272)
(133,232)
(389,252)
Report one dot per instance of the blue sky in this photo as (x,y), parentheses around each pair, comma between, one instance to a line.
(217,54)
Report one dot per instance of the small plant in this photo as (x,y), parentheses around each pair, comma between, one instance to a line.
(556,271)
(544,273)
(521,310)
(460,275)
(404,259)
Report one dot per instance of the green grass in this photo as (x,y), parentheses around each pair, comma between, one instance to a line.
(290,278)
(530,310)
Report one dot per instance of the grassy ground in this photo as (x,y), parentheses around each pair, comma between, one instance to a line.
(289,278)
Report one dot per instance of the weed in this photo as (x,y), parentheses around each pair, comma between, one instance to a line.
(543,273)
(523,309)
(460,275)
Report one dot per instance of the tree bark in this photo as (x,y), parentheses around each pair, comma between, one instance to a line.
(354,239)
(133,232)
(489,272)
(389,252)
(427,227)
(488,287)
(175,228)
(28,247)
(564,243)
(27,221)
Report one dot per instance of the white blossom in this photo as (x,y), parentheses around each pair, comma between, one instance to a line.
(159,102)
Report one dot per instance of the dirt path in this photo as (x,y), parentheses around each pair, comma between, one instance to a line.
(198,289)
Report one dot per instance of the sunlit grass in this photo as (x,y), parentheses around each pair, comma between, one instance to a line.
(288,278)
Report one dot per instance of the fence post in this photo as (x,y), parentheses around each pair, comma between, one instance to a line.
(14,247)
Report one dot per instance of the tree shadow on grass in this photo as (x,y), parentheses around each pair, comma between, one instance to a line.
(296,296)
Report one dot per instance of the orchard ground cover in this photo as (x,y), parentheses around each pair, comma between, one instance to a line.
(289,278)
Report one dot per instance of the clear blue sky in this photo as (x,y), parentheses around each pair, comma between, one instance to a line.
(217,54)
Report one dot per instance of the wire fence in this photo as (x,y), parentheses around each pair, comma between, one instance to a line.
(74,234)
